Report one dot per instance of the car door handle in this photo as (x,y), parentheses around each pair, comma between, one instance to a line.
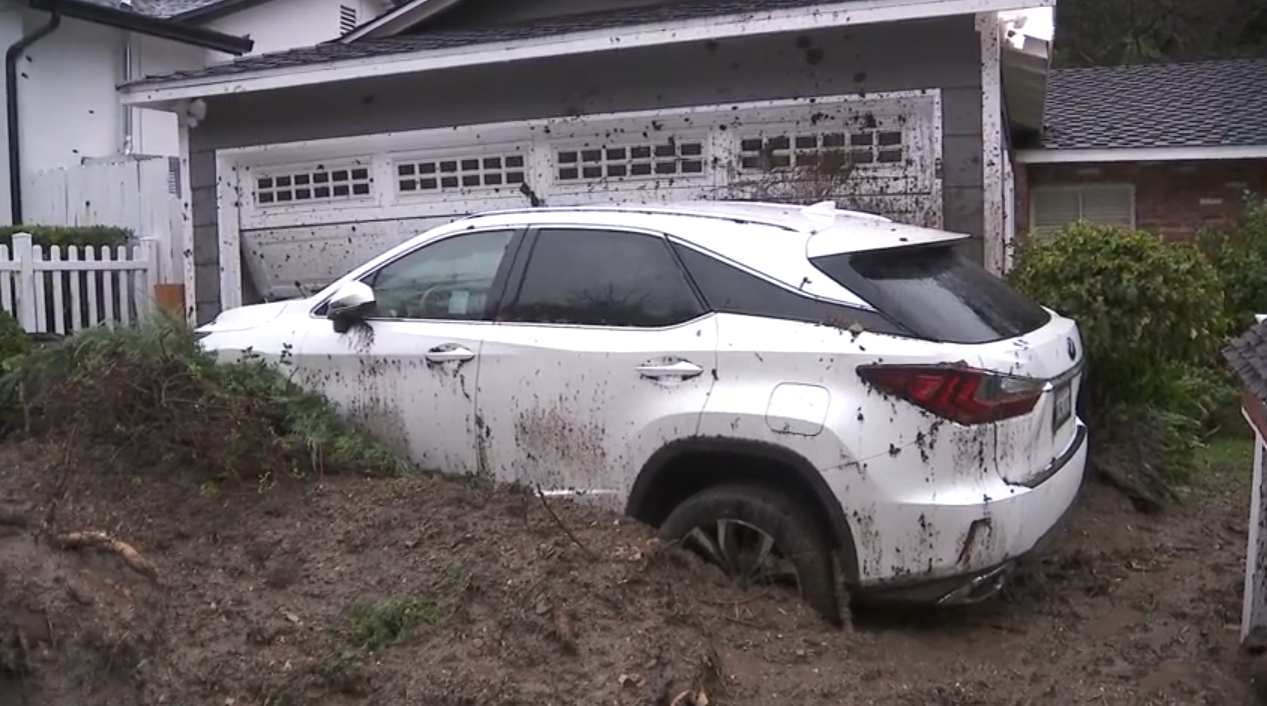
(663,369)
(449,353)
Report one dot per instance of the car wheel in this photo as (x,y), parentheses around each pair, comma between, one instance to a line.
(759,536)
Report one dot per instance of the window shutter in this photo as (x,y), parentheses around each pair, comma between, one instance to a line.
(1109,205)
(1053,208)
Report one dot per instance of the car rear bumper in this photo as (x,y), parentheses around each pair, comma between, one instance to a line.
(969,588)
(945,551)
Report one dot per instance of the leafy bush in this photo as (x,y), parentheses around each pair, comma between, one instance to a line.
(1147,309)
(152,396)
(1240,256)
(68,235)
(1151,317)
(13,340)
(13,344)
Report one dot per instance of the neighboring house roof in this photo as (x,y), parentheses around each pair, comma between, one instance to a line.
(111,13)
(1208,105)
(1247,354)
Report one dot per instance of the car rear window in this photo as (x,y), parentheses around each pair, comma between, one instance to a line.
(936,293)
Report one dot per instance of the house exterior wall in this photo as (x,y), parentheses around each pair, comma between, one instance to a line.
(68,106)
(1175,199)
(274,26)
(942,54)
(155,131)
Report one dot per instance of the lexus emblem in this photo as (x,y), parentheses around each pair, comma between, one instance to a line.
(1072,347)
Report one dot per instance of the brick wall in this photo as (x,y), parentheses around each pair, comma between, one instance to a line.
(1175,199)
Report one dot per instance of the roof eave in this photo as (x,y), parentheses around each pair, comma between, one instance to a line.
(144,24)
(1141,154)
(213,11)
(836,14)
(1025,71)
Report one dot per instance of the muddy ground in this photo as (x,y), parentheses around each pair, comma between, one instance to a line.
(305,593)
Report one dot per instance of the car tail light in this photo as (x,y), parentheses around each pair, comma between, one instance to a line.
(957,392)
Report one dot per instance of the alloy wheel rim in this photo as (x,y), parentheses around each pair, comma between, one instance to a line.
(747,553)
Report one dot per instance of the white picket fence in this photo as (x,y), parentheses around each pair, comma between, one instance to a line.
(64,290)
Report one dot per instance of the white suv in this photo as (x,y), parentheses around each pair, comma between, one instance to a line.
(798,393)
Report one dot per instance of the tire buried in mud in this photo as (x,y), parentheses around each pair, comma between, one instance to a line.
(755,510)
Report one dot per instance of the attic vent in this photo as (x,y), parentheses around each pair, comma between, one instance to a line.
(173,176)
(347,19)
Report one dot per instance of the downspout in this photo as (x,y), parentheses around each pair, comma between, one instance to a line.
(129,128)
(11,58)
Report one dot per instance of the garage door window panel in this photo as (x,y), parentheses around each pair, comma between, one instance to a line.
(451,279)
(649,160)
(312,185)
(468,173)
(603,278)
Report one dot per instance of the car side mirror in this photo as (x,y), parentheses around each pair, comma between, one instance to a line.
(351,303)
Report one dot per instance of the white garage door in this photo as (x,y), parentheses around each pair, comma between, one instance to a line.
(308,212)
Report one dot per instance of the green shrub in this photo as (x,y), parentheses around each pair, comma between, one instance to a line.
(1148,310)
(13,340)
(14,343)
(68,235)
(1240,256)
(151,398)
(1152,317)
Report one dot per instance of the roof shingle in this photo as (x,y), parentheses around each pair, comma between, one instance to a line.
(1198,104)
(1247,355)
(449,39)
(164,9)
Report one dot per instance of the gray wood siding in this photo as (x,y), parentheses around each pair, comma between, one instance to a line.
(942,54)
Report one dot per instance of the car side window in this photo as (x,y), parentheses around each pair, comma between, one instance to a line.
(448,279)
(729,290)
(598,277)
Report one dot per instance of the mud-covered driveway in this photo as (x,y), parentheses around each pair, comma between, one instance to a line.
(429,591)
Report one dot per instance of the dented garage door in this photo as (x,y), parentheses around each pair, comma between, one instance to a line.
(308,212)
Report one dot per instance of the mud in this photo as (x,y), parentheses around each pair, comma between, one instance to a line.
(524,605)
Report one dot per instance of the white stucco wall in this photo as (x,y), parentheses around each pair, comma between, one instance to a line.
(154,131)
(69,107)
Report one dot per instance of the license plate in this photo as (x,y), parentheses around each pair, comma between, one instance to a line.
(1062,410)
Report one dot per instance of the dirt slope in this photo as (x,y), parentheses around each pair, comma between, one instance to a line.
(257,593)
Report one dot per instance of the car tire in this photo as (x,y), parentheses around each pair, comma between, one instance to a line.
(797,536)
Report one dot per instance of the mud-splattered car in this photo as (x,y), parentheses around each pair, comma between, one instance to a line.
(800,394)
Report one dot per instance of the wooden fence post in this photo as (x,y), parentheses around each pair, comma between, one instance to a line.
(153,270)
(24,253)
